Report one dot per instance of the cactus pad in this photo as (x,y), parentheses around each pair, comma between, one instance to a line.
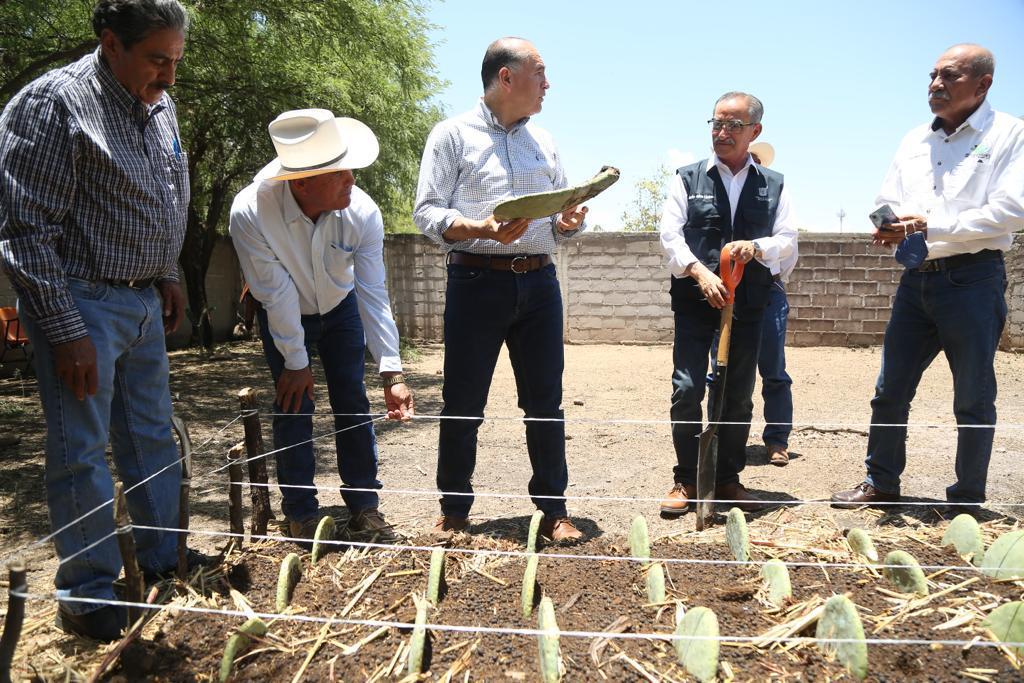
(840,621)
(544,204)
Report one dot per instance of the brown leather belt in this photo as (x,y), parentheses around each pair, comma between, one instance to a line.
(514,264)
(959,260)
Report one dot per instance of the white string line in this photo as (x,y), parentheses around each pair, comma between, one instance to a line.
(502,630)
(101,506)
(646,421)
(791,502)
(569,556)
(243,461)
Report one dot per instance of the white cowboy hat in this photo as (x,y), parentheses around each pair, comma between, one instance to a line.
(764,152)
(312,141)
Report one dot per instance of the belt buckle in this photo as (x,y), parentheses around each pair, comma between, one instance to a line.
(932,266)
(526,266)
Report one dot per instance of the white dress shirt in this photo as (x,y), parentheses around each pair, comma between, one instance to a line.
(969,185)
(774,249)
(471,163)
(296,267)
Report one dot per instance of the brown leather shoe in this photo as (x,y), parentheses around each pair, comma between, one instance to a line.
(370,525)
(447,524)
(745,500)
(862,494)
(778,455)
(559,529)
(678,500)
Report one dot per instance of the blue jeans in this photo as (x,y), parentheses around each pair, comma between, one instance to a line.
(131,410)
(776,385)
(485,309)
(338,336)
(960,312)
(696,327)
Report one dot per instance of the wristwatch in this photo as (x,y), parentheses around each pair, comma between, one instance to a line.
(392,380)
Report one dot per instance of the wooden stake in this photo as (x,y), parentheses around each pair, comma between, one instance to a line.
(14,619)
(261,513)
(235,456)
(185,443)
(126,544)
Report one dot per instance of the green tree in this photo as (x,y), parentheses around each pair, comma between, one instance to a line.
(245,62)
(644,213)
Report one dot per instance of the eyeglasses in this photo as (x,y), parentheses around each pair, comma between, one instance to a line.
(730,126)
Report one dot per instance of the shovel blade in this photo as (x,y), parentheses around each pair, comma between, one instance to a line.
(707,465)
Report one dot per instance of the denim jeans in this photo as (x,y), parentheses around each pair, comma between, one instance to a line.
(485,309)
(776,385)
(132,410)
(960,312)
(338,336)
(696,327)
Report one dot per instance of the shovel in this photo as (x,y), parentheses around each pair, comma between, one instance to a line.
(707,457)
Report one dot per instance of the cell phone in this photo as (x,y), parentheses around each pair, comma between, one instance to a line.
(883,215)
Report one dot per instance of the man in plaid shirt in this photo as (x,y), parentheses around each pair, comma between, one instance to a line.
(93,193)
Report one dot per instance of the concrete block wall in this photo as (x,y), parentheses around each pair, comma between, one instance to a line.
(615,290)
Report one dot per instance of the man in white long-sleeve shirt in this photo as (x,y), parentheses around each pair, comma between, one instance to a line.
(957,188)
(311,247)
(726,201)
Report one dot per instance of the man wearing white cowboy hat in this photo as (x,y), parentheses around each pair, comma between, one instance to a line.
(311,247)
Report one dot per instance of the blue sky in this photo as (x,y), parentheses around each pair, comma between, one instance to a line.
(632,83)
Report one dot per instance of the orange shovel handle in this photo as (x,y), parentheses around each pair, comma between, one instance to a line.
(731,273)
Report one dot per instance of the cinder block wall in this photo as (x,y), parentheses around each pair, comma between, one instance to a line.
(615,289)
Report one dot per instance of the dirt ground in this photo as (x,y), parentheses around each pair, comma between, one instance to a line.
(619,456)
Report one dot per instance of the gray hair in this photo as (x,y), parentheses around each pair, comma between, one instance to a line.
(981,62)
(132,20)
(754,107)
(509,51)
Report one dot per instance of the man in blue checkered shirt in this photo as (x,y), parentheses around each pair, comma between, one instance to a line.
(93,193)
(502,287)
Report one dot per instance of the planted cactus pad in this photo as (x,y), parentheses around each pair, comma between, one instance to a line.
(1005,558)
(905,573)
(238,642)
(291,572)
(860,543)
(736,535)
(697,649)
(325,531)
(840,621)
(550,658)
(964,534)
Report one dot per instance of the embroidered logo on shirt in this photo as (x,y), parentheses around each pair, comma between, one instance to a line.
(762,191)
(981,153)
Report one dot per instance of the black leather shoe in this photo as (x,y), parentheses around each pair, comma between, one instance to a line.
(862,494)
(195,560)
(104,624)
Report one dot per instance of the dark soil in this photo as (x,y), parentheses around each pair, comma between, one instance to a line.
(589,595)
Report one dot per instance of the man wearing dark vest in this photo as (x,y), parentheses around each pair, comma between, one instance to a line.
(725,201)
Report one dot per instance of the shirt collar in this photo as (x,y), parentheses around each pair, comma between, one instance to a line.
(978,120)
(290,208)
(714,161)
(491,119)
(119,93)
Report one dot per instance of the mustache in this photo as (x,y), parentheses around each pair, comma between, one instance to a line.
(163,85)
(939,95)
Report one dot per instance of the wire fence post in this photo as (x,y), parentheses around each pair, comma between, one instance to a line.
(15,617)
(185,443)
(261,514)
(235,457)
(126,544)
